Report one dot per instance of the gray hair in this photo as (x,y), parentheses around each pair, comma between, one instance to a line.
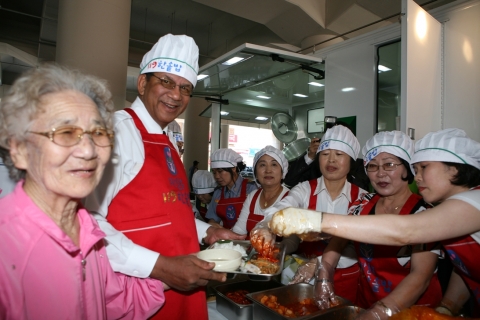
(22,104)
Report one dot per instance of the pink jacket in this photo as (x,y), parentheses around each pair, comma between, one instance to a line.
(44,275)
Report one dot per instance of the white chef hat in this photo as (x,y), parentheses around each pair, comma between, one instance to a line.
(340,138)
(203,182)
(224,158)
(448,145)
(393,142)
(173,54)
(275,154)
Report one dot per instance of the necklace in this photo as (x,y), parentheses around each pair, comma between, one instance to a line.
(394,209)
(265,204)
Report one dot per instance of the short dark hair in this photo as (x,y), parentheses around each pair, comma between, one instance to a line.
(467,175)
(410,176)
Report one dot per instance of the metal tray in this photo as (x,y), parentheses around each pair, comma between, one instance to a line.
(339,313)
(250,252)
(235,311)
(288,295)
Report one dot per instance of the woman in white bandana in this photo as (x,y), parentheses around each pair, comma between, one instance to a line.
(447,171)
(331,192)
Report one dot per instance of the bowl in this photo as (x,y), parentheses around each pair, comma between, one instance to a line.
(225,259)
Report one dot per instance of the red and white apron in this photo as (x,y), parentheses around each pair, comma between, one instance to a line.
(464,252)
(229,209)
(154,211)
(345,280)
(380,271)
(254,218)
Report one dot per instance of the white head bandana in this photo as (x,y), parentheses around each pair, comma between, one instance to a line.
(448,145)
(203,182)
(177,55)
(396,143)
(224,158)
(340,138)
(275,154)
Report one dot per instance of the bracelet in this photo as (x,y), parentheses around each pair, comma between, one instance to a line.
(323,280)
(388,311)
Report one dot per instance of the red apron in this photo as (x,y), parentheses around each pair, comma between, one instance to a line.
(254,218)
(229,209)
(202,209)
(464,252)
(380,271)
(345,280)
(154,211)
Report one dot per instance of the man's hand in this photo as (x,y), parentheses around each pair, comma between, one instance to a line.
(185,273)
(215,233)
(312,149)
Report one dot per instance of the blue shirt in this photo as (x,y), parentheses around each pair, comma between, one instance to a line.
(234,192)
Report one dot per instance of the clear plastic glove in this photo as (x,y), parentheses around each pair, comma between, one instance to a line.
(379,311)
(262,239)
(296,221)
(305,272)
(323,292)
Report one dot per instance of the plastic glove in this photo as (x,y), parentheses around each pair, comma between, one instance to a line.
(323,292)
(305,272)
(379,311)
(295,221)
(262,239)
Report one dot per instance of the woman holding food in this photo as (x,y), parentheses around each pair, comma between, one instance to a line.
(56,124)
(397,277)
(447,171)
(227,201)
(336,159)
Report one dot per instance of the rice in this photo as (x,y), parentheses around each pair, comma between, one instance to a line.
(230,246)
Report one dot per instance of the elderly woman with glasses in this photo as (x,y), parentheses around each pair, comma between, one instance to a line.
(56,125)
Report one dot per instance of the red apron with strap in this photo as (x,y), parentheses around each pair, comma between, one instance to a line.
(254,218)
(229,209)
(202,209)
(154,211)
(380,270)
(464,252)
(345,279)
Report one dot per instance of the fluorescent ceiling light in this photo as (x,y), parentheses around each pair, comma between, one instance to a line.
(383,68)
(261,118)
(300,95)
(201,76)
(233,60)
(263,97)
(316,84)
(224,113)
(348,89)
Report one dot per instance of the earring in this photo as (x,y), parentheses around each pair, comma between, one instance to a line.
(115,158)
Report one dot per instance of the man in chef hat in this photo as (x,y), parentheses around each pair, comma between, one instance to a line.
(145,194)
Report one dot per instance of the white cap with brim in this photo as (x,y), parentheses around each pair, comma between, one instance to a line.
(275,154)
(203,182)
(448,145)
(225,158)
(340,138)
(177,55)
(396,143)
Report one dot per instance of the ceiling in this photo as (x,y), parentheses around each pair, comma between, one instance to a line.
(218,26)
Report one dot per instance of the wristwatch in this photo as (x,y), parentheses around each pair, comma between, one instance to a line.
(386,309)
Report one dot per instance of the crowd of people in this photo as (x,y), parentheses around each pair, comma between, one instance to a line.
(100,201)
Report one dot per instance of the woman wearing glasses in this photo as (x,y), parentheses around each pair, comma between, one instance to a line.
(391,278)
(56,125)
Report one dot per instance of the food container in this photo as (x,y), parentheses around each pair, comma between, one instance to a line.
(289,295)
(251,253)
(235,311)
(339,313)
(225,260)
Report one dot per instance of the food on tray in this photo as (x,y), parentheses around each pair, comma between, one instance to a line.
(421,312)
(295,221)
(266,266)
(231,246)
(299,309)
(239,296)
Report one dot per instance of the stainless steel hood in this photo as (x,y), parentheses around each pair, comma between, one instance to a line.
(262,77)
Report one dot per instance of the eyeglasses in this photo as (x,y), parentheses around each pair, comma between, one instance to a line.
(185,89)
(371,167)
(71,135)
